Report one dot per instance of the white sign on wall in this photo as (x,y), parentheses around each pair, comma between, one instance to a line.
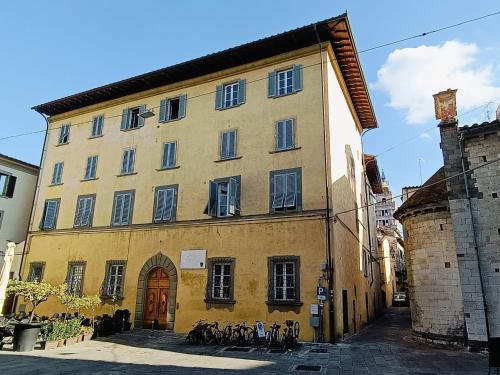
(193,259)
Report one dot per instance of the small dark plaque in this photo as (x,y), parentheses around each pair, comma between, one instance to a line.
(311,368)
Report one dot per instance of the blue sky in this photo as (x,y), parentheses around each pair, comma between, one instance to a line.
(55,48)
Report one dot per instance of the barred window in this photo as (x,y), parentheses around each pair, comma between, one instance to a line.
(220,285)
(75,278)
(115,274)
(36,271)
(284,280)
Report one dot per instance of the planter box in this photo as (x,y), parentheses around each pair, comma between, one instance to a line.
(60,343)
(79,338)
(47,345)
(71,341)
(87,337)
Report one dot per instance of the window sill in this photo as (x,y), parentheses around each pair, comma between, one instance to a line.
(284,303)
(108,298)
(126,174)
(229,107)
(62,144)
(228,159)
(168,168)
(220,301)
(284,150)
(89,179)
(57,184)
(130,129)
(96,136)
(283,95)
(171,120)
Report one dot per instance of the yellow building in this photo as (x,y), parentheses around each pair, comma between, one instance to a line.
(207,190)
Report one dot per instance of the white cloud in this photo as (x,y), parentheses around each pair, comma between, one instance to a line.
(410,77)
(425,136)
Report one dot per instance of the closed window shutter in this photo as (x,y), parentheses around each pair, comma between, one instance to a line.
(242,83)
(212,199)
(172,154)
(160,204)
(218,97)
(125,161)
(50,215)
(182,105)
(291,190)
(142,109)
(100,125)
(95,124)
(163,110)
(224,145)
(297,77)
(79,212)
(234,192)
(55,173)
(126,209)
(125,119)
(88,168)
(280,135)
(59,172)
(93,167)
(118,209)
(11,184)
(289,137)
(271,84)
(169,204)
(131,159)
(279,191)
(232,144)
(87,210)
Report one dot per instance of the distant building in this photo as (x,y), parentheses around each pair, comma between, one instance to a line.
(452,235)
(17,188)
(385,207)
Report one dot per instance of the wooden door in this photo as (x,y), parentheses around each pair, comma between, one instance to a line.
(156,298)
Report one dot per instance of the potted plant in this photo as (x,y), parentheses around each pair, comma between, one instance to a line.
(26,334)
(73,327)
(53,333)
(90,304)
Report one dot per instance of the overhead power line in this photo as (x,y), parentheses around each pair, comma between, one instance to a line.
(304,67)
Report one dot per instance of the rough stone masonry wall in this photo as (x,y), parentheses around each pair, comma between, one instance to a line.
(470,279)
(486,214)
(433,276)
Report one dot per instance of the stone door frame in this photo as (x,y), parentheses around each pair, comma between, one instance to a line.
(158,260)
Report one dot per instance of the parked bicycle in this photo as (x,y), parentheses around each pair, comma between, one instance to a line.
(290,335)
(273,335)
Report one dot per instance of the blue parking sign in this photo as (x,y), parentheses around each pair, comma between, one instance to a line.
(321,293)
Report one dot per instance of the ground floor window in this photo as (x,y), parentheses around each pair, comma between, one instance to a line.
(115,273)
(75,278)
(36,271)
(284,280)
(220,285)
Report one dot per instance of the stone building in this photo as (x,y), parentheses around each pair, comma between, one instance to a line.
(452,235)
(385,207)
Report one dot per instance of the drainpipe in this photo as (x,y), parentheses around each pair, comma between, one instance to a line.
(474,233)
(330,268)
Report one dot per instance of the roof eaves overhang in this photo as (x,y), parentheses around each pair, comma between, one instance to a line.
(373,173)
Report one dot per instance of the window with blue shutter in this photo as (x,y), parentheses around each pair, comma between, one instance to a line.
(169,155)
(91,167)
(57,174)
(173,108)
(224,197)
(49,216)
(64,134)
(228,144)
(97,125)
(128,161)
(84,210)
(165,203)
(122,208)
(284,82)
(285,190)
(285,138)
(230,95)
(131,119)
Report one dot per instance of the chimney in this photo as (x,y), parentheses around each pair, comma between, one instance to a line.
(445,106)
(498,113)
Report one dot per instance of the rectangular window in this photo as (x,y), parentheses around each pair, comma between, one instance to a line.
(75,278)
(169,155)
(115,273)
(284,82)
(91,167)
(122,208)
(228,144)
(284,279)
(57,174)
(173,109)
(220,285)
(97,124)
(64,134)
(128,161)
(84,210)
(165,203)
(7,185)
(49,217)
(285,134)
(224,197)
(36,271)
(285,188)
(230,95)
(131,119)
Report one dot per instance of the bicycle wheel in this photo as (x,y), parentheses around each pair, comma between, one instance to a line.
(189,338)
(296,329)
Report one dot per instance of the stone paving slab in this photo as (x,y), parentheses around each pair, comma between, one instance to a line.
(385,347)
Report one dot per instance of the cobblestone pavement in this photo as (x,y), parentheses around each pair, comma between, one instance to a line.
(384,347)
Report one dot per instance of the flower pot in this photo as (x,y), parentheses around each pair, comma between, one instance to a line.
(60,343)
(25,336)
(79,338)
(71,341)
(51,344)
(87,336)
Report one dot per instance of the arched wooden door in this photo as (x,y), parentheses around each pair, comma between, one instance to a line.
(156,298)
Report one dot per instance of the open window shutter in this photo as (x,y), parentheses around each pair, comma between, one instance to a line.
(233,196)
(291,190)
(127,200)
(297,77)
(142,109)
(160,204)
(280,135)
(163,110)
(212,199)
(93,166)
(50,215)
(182,105)
(218,97)
(11,185)
(79,212)
(232,144)
(87,211)
(271,84)
(169,204)
(118,209)
(125,119)
(279,191)
(242,85)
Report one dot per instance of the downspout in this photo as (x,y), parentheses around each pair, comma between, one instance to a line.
(474,233)
(330,269)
